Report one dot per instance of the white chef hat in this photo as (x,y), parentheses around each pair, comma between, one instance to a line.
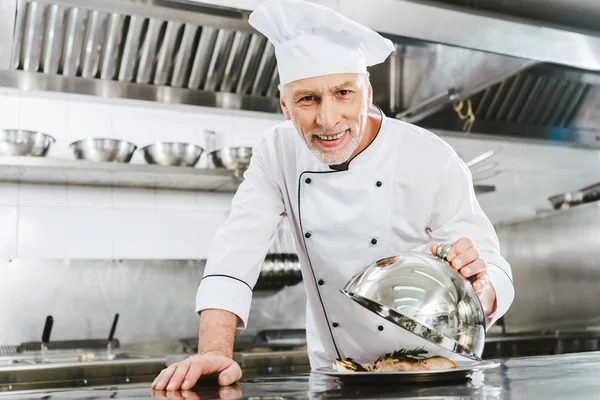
(313,40)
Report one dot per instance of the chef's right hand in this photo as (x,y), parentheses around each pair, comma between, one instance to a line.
(185,374)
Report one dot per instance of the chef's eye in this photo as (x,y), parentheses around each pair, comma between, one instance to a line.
(344,92)
(307,98)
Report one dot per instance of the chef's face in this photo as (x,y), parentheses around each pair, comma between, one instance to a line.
(330,113)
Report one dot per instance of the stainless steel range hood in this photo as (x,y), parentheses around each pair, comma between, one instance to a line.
(189,52)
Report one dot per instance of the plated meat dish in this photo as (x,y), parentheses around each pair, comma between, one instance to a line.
(398,361)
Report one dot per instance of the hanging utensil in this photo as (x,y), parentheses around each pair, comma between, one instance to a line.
(480,158)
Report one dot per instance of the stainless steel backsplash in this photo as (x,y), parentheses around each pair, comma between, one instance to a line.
(155,300)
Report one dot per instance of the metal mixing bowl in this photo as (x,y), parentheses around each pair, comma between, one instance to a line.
(18,142)
(172,154)
(236,159)
(423,295)
(103,150)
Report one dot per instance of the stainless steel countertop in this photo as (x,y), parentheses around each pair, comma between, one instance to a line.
(569,376)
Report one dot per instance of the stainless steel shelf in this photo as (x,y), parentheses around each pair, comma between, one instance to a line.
(77,172)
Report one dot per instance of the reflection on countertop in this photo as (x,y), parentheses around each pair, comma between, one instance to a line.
(572,376)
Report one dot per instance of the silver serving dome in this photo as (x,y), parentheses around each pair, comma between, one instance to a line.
(423,295)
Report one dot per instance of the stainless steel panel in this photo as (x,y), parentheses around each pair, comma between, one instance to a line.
(8,18)
(265,69)
(573,106)
(582,15)
(496,100)
(110,53)
(250,65)
(555,269)
(53,39)
(131,49)
(509,99)
(122,370)
(165,53)
(115,174)
(485,99)
(104,287)
(73,45)
(478,32)
(445,67)
(565,99)
(113,89)
(541,102)
(95,33)
(273,89)
(17,38)
(533,96)
(221,53)
(396,75)
(182,59)
(524,91)
(169,10)
(32,38)
(550,106)
(235,61)
(148,51)
(208,37)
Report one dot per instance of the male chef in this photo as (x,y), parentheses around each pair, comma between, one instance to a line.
(356,186)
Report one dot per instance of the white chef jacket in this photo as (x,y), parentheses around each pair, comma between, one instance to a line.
(407,189)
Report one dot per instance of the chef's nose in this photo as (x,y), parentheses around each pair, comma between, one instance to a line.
(328,115)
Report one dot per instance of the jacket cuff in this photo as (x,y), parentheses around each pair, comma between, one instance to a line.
(227,293)
(505,292)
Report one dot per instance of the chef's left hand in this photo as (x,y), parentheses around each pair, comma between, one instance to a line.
(464,257)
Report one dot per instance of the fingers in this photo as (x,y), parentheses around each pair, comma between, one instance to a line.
(462,245)
(480,282)
(468,263)
(433,248)
(178,376)
(192,376)
(161,381)
(231,374)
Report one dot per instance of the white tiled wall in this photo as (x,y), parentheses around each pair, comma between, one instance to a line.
(61,221)
(58,221)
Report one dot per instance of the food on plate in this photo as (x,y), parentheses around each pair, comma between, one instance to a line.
(398,361)
(348,365)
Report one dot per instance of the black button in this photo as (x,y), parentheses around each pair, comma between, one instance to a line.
(308,180)
(335,324)
(321,282)
(307,235)
(373,241)
(380,327)
(379,183)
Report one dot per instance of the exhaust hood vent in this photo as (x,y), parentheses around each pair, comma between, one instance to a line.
(75,42)
(542,102)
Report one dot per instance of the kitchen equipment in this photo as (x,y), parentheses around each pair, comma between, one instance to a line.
(421,294)
(236,159)
(18,142)
(103,150)
(172,154)
(111,336)
(46,336)
(587,194)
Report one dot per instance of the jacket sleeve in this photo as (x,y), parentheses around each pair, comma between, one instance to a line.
(456,213)
(241,243)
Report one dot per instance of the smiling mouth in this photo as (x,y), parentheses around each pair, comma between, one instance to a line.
(331,137)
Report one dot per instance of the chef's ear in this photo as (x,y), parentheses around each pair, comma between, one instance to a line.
(284,108)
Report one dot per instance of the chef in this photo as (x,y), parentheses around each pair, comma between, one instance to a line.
(356,187)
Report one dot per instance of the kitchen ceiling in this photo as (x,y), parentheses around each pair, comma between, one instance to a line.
(185,52)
